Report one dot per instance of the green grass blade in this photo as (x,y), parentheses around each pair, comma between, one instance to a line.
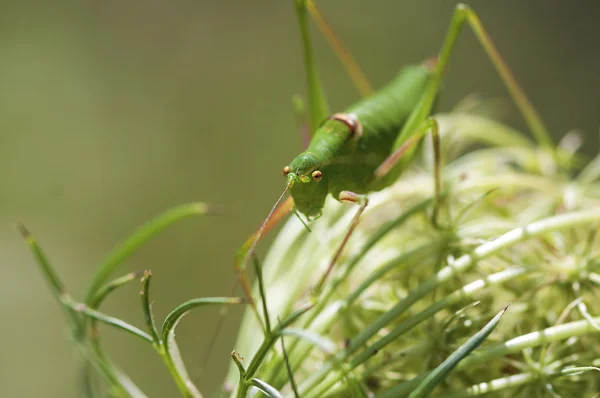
(440,373)
(114,376)
(495,386)
(52,277)
(142,235)
(174,316)
(85,383)
(292,317)
(329,348)
(177,367)
(88,363)
(109,320)
(128,385)
(512,346)
(266,388)
(148,317)
(318,108)
(268,343)
(315,339)
(288,368)
(262,291)
(56,285)
(107,288)
(237,359)
(577,370)
(169,349)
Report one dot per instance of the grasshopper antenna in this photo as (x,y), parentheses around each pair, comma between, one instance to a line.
(245,252)
(279,210)
(248,249)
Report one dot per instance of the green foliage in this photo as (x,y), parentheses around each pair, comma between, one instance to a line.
(83,317)
(406,308)
(518,226)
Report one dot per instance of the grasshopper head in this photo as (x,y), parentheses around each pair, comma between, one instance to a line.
(308,184)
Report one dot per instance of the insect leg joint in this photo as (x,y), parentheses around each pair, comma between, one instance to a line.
(350,120)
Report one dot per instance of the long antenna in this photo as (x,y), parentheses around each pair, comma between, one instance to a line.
(248,249)
(247,253)
(241,259)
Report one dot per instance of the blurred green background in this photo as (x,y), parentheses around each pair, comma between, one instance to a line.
(114,111)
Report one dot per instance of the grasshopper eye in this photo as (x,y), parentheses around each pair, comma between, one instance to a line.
(317,175)
(286,170)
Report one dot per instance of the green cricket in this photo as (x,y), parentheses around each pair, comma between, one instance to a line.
(367,147)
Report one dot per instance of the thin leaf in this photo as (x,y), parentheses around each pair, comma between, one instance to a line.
(495,386)
(142,235)
(73,309)
(94,359)
(472,204)
(575,371)
(129,386)
(293,317)
(112,285)
(267,389)
(440,373)
(584,312)
(323,343)
(115,376)
(268,343)
(170,350)
(109,320)
(148,317)
(329,348)
(177,367)
(237,358)
(289,369)
(173,318)
(263,295)
(56,285)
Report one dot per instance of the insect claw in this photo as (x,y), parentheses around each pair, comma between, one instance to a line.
(315,216)
(295,211)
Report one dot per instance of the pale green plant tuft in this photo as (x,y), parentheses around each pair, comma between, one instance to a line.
(518,226)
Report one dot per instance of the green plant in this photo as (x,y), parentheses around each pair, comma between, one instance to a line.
(411,296)
(519,227)
(83,316)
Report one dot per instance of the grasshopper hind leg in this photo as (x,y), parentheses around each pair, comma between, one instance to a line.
(420,121)
(464,14)
(354,71)
(318,107)
(406,150)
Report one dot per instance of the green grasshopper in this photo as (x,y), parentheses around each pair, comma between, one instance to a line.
(368,146)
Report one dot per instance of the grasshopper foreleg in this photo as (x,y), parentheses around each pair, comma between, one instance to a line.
(350,197)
